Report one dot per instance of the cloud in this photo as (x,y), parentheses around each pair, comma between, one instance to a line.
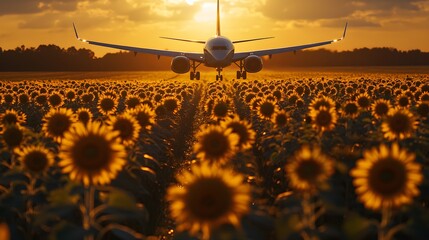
(11,7)
(329,9)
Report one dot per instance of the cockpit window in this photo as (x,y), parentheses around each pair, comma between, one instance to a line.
(219,48)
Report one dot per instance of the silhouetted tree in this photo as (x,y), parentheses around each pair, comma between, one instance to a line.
(53,58)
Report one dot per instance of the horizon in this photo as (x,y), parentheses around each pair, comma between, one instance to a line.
(371,23)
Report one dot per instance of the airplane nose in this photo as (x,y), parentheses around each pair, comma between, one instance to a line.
(219,55)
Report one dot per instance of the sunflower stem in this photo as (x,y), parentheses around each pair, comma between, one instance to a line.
(385,219)
(89,206)
(308,215)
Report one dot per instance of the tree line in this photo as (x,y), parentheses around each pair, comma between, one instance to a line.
(54,58)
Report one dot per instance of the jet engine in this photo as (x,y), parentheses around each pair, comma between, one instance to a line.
(253,64)
(180,64)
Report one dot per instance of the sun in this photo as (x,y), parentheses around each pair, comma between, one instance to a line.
(207,12)
(190,2)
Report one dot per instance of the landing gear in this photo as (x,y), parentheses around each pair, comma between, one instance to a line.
(242,73)
(219,75)
(194,74)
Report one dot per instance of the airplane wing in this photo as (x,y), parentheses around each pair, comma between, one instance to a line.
(198,57)
(242,55)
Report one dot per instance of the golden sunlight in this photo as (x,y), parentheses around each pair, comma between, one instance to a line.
(207,13)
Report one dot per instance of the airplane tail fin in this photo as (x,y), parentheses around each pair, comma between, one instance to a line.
(218,20)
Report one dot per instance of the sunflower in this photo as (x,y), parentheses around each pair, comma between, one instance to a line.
(380,108)
(87,98)
(10,117)
(221,108)
(386,177)
(171,104)
(23,98)
(91,154)
(208,197)
(127,126)
(144,115)
(8,98)
(321,101)
(309,168)
(399,124)
(244,130)
(84,115)
(55,100)
(132,101)
(57,122)
(280,118)
(215,143)
(107,104)
(364,101)
(41,99)
(323,119)
(266,109)
(35,159)
(70,95)
(12,135)
(403,101)
(350,109)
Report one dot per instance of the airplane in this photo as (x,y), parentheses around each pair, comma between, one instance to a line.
(218,52)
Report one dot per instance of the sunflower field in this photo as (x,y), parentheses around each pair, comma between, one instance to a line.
(289,156)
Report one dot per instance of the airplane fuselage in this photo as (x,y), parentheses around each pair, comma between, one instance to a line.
(218,52)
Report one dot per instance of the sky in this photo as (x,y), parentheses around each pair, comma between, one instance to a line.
(402,24)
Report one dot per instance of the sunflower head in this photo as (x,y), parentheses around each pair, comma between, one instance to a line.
(41,99)
(399,124)
(308,169)
(12,135)
(266,109)
(87,98)
(55,100)
(386,177)
(70,95)
(91,154)
(364,101)
(107,104)
(35,159)
(215,143)
(23,98)
(127,126)
(321,101)
(144,115)
(280,119)
(10,117)
(323,119)
(351,109)
(243,129)
(84,115)
(207,197)
(57,122)
(380,108)
(132,101)
(221,108)
(171,104)
(403,101)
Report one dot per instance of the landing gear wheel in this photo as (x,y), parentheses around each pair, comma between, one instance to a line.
(244,75)
(197,75)
(221,77)
(238,75)
(217,77)
(192,75)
